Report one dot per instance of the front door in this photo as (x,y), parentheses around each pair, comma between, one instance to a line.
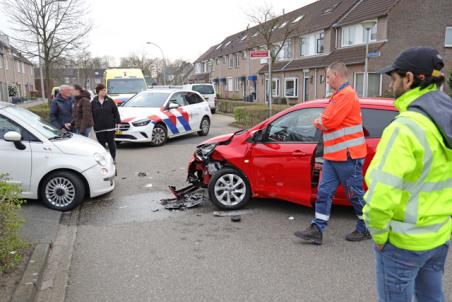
(196,109)
(178,121)
(282,164)
(15,163)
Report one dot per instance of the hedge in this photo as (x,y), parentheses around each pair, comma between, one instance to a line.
(227,106)
(42,110)
(11,245)
(249,116)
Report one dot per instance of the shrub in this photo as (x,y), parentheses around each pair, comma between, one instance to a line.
(227,106)
(11,244)
(249,116)
(42,110)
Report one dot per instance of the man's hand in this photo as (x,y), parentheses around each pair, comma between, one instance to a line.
(67,126)
(380,247)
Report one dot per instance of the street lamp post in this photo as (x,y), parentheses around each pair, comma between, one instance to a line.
(367,25)
(164,60)
(43,95)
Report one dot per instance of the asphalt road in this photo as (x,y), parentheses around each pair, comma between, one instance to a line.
(124,251)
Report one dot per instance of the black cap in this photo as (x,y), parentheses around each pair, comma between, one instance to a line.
(418,60)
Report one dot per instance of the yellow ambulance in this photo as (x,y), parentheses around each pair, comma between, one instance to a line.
(123,83)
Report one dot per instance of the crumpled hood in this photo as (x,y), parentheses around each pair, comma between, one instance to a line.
(79,145)
(438,107)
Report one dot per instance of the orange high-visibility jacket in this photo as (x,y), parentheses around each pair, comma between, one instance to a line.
(342,127)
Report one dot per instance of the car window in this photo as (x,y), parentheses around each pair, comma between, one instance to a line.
(203,89)
(178,98)
(147,99)
(7,125)
(296,126)
(193,98)
(376,120)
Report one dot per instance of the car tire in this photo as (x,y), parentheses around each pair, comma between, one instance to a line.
(159,136)
(234,180)
(62,191)
(204,126)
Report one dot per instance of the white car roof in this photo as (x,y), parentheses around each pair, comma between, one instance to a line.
(168,90)
(5,104)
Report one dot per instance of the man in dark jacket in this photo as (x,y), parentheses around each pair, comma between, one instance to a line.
(61,109)
(106,117)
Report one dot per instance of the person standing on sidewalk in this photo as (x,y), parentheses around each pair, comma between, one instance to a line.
(106,117)
(409,201)
(61,109)
(83,117)
(344,153)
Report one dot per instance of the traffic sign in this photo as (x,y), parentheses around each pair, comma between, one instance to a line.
(259,54)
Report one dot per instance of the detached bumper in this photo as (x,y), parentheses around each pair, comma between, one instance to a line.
(99,182)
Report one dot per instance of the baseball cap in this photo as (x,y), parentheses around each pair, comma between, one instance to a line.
(418,60)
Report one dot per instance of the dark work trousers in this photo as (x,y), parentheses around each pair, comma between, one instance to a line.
(107,139)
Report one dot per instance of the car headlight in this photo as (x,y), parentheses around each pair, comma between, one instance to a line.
(100,159)
(141,123)
(204,151)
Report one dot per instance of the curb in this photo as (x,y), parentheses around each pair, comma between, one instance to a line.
(32,277)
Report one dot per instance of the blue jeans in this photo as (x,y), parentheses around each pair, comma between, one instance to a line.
(403,274)
(348,173)
(85,133)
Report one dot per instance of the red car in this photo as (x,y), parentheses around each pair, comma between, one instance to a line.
(279,158)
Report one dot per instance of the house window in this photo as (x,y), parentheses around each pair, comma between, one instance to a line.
(448,40)
(298,19)
(23,67)
(275,87)
(231,61)
(356,34)
(374,84)
(230,84)
(286,51)
(291,87)
(6,63)
(217,61)
(244,37)
(237,60)
(198,68)
(18,66)
(1,62)
(312,44)
(255,34)
(236,84)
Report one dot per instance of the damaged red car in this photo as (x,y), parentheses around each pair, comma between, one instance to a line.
(280,158)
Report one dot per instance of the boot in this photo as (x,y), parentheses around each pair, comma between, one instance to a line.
(356,236)
(311,234)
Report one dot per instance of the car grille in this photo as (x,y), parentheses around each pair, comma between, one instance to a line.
(124,126)
(125,136)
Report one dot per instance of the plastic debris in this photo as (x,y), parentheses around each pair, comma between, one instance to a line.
(185,198)
(291,218)
(148,186)
(236,218)
(142,174)
(231,213)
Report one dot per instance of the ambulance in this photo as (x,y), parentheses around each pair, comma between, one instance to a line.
(123,83)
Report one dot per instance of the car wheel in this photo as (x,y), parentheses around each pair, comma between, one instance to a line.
(229,189)
(62,191)
(205,126)
(159,136)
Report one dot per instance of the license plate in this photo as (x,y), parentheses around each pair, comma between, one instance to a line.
(118,132)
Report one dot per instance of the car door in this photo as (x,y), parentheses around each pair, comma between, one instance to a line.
(282,163)
(179,117)
(196,109)
(15,163)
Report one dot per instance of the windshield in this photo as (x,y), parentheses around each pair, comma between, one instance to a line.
(147,99)
(125,86)
(35,121)
(203,89)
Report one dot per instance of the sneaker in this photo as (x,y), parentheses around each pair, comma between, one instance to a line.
(311,234)
(356,236)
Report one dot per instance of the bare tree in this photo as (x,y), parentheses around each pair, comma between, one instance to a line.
(273,32)
(57,27)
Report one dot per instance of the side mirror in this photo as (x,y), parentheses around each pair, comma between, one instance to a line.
(258,136)
(12,136)
(16,138)
(172,105)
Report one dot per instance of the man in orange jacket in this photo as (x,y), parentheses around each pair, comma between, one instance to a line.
(344,153)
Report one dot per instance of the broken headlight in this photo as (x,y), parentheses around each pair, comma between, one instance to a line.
(204,151)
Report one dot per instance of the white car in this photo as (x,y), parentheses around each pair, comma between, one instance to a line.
(155,115)
(59,168)
(207,91)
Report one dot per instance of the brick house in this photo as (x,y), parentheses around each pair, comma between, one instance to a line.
(328,31)
(16,71)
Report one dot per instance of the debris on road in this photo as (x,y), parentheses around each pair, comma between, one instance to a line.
(231,213)
(291,218)
(185,198)
(142,174)
(236,218)
(148,186)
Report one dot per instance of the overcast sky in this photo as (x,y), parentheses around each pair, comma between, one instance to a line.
(184,28)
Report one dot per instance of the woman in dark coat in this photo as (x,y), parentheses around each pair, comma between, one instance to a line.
(82,112)
(106,117)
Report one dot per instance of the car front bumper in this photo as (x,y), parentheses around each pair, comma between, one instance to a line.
(133,134)
(98,182)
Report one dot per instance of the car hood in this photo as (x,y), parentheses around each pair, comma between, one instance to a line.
(218,139)
(79,145)
(131,114)
(120,98)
